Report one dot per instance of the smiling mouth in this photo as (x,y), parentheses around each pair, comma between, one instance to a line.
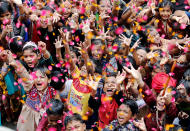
(109,90)
(30,63)
(39,84)
(120,118)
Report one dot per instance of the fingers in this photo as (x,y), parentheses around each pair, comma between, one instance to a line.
(137,124)
(118,74)
(127,69)
(90,77)
(131,37)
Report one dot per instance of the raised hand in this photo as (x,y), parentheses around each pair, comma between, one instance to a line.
(186,40)
(103,15)
(56,17)
(7,29)
(121,77)
(92,17)
(42,46)
(58,43)
(49,21)
(86,26)
(33,17)
(64,36)
(140,124)
(136,44)
(135,74)
(125,40)
(17,2)
(93,84)
(164,60)
(178,45)
(182,90)
(4,56)
(103,35)
(11,59)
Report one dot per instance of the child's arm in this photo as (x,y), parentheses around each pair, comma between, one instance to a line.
(58,46)
(149,97)
(84,53)
(120,78)
(6,30)
(65,38)
(115,9)
(126,41)
(27,81)
(93,102)
(43,50)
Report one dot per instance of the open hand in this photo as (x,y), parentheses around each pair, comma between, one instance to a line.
(58,43)
(86,26)
(121,77)
(135,74)
(125,40)
(56,17)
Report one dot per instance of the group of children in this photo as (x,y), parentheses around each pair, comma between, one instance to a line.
(110,65)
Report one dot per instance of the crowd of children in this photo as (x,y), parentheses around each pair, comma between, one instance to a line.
(101,65)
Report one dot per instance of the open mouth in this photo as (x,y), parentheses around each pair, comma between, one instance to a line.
(120,119)
(39,84)
(66,15)
(110,92)
(160,106)
(30,64)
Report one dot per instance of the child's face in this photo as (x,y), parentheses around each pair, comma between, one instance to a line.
(110,86)
(53,119)
(67,10)
(124,114)
(83,72)
(97,51)
(141,56)
(122,50)
(75,126)
(40,80)
(44,21)
(106,6)
(74,57)
(111,38)
(30,58)
(5,17)
(165,12)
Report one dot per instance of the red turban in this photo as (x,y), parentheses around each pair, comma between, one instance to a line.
(160,79)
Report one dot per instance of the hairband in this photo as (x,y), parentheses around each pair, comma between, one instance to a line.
(30,43)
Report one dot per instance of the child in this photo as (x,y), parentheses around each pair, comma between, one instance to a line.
(38,91)
(9,19)
(54,115)
(9,77)
(74,123)
(106,104)
(125,116)
(165,9)
(32,57)
(80,91)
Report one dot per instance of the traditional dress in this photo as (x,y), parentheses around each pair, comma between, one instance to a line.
(34,108)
